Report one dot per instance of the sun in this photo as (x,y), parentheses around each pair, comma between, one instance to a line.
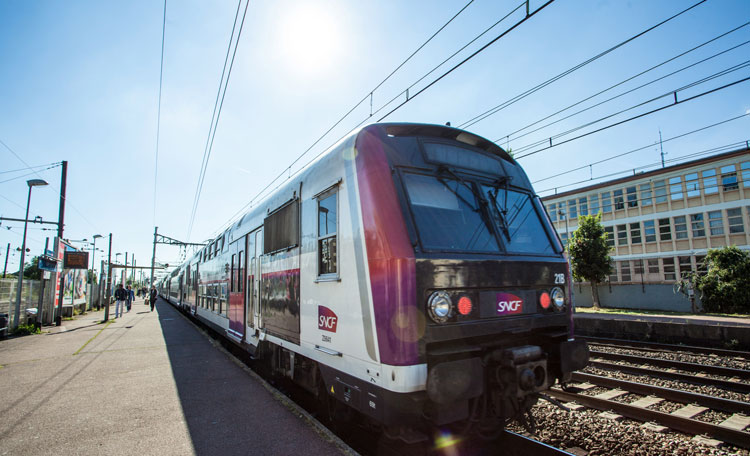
(309,38)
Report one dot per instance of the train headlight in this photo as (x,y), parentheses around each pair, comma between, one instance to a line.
(558,298)
(440,306)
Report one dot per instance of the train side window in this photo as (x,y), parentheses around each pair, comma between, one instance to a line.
(281,228)
(232,277)
(240,276)
(327,233)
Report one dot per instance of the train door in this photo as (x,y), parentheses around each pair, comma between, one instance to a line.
(237,289)
(254,252)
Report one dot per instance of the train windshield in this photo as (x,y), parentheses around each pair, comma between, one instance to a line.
(452,214)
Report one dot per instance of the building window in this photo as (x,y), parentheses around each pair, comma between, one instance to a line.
(660,191)
(632,196)
(564,239)
(594,203)
(668,268)
(696,221)
(635,233)
(734,218)
(619,200)
(680,227)
(583,206)
(685,265)
(622,235)
(552,211)
(613,272)
(745,167)
(691,185)
(646,194)
(675,188)
(610,236)
(665,231)
(327,228)
(572,210)
(715,223)
(653,266)
(700,263)
(606,202)
(638,267)
(729,178)
(709,182)
(649,230)
(625,271)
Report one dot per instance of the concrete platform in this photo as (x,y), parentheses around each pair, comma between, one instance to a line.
(699,330)
(146,383)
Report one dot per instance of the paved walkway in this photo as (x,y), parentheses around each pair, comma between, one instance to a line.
(148,383)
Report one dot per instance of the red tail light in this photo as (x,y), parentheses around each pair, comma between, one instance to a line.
(464,305)
(545,300)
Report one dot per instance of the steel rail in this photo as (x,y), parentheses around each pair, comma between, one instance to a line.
(674,395)
(528,446)
(678,423)
(653,346)
(668,363)
(725,384)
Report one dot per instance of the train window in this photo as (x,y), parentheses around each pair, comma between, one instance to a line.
(281,228)
(327,229)
(518,222)
(462,157)
(232,277)
(240,275)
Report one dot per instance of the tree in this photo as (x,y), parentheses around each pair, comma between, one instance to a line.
(32,271)
(725,286)
(589,253)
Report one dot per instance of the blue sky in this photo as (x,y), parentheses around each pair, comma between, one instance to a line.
(79,81)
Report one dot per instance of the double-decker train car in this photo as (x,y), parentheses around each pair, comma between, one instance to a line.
(410,273)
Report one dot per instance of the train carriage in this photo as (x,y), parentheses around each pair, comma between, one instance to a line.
(409,273)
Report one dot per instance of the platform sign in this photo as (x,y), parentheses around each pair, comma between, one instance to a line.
(76,260)
(47,263)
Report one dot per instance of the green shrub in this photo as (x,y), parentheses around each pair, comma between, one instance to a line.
(25,330)
(725,286)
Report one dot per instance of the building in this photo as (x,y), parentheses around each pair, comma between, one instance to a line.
(661,223)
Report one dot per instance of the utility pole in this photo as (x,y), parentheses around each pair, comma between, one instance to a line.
(7,252)
(109,279)
(125,271)
(662,149)
(153,258)
(60,226)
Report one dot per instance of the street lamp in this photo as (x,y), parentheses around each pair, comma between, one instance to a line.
(31,183)
(93,265)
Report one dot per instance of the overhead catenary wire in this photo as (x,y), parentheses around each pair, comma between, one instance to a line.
(673,104)
(505,104)
(29,174)
(706,152)
(218,116)
(204,163)
(509,137)
(30,167)
(158,114)
(682,135)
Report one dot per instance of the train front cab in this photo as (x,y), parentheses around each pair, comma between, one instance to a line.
(494,321)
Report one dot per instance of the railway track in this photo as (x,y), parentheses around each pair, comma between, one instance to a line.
(660,348)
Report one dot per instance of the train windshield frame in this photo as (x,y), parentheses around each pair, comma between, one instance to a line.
(454,214)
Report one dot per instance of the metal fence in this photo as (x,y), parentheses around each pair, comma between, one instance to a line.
(29,295)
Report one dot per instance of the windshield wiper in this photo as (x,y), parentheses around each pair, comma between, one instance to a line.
(483,210)
(502,214)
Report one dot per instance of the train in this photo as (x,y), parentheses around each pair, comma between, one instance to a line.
(408,276)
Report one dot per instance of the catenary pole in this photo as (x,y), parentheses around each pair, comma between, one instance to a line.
(153,257)
(60,230)
(7,252)
(109,279)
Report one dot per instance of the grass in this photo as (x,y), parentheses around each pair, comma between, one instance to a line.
(608,310)
(25,330)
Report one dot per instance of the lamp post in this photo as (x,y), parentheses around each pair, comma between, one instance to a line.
(32,183)
(93,264)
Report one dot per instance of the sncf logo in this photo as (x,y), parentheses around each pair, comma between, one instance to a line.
(509,304)
(327,319)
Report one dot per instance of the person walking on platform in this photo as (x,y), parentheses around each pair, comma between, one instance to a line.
(121,297)
(152,297)
(131,297)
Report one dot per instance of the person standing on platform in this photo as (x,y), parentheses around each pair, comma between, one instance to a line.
(121,297)
(152,297)
(131,297)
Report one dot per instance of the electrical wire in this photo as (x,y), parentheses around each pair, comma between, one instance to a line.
(510,136)
(28,174)
(707,152)
(673,104)
(505,104)
(204,163)
(682,135)
(30,167)
(218,115)
(158,115)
